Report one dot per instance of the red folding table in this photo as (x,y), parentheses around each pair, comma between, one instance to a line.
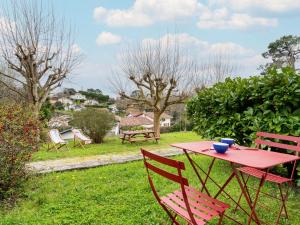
(259,159)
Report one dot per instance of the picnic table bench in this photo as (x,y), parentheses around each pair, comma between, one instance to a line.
(138,135)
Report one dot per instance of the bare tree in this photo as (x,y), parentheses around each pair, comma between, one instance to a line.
(37,48)
(6,94)
(215,69)
(160,73)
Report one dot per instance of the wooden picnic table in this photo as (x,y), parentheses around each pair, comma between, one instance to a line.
(138,135)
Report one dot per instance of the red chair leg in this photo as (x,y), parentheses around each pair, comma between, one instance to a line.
(261,184)
(174,220)
(221,219)
(283,203)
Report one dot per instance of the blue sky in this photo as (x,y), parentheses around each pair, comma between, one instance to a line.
(242,28)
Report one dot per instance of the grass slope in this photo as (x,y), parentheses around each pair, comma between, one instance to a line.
(116,195)
(113,145)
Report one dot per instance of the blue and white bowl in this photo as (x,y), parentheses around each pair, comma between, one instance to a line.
(220,147)
(228,141)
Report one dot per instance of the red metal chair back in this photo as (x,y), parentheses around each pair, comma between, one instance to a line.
(264,138)
(178,178)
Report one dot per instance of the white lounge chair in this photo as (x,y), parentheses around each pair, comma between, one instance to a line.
(82,139)
(56,140)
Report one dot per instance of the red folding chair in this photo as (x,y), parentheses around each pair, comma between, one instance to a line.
(267,140)
(193,206)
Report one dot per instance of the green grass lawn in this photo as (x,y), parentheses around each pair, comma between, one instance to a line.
(114,145)
(116,195)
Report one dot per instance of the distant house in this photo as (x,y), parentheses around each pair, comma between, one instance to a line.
(91,102)
(78,96)
(113,108)
(136,121)
(124,122)
(65,101)
(53,100)
(165,119)
(59,121)
(75,107)
(135,114)
(133,110)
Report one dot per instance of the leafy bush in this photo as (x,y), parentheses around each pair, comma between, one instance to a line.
(95,122)
(18,140)
(46,111)
(238,108)
(59,105)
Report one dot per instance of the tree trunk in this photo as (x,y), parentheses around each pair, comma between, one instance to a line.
(36,110)
(156,123)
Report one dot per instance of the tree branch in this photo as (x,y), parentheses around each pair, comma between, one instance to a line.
(11,77)
(136,99)
(12,89)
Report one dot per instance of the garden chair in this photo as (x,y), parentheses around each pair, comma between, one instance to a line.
(188,203)
(82,139)
(56,140)
(266,140)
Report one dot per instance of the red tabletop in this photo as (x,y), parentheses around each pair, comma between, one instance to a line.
(253,158)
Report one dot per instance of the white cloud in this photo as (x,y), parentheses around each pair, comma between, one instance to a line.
(107,38)
(245,59)
(218,14)
(99,13)
(118,17)
(201,47)
(269,5)
(147,12)
(91,74)
(222,19)
(183,40)
(232,48)
(76,49)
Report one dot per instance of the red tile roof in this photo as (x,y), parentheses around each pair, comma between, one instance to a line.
(151,115)
(135,121)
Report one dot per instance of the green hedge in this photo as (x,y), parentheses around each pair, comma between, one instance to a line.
(240,107)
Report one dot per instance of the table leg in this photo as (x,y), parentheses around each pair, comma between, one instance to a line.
(129,138)
(247,191)
(222,188)
(196,171)
(253,213)
(261,184)
(208,172)
(123,139)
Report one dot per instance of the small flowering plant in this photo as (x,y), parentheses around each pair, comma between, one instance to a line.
(19,137)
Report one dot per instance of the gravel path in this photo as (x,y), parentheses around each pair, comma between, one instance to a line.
(48,166)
